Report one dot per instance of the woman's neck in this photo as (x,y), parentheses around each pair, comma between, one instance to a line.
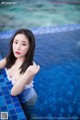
(19,61)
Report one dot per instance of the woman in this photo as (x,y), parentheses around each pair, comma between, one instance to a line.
(21,68)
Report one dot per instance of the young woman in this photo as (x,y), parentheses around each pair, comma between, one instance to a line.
(21,68)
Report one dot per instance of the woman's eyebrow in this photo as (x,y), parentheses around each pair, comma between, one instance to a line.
(21,41)
(15,40)
(25,41)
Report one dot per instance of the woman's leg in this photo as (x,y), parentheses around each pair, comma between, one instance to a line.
(28,106)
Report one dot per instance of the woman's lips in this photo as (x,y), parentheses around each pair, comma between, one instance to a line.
(18,53)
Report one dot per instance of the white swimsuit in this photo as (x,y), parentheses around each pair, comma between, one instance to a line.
(27,92)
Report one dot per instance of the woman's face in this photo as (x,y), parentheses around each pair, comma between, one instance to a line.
(20,46)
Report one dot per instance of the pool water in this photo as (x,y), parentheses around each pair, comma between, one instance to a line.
(58,82)
(34,13)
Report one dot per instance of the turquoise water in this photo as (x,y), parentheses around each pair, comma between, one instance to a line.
(32,14)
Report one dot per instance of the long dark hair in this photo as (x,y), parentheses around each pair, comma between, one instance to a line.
(29,55)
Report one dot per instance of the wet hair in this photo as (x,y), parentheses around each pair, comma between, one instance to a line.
(29,55)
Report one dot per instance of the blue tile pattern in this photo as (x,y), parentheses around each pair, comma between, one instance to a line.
(9,103)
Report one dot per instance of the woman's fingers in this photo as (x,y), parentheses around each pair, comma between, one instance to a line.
(33,69)
(37,69)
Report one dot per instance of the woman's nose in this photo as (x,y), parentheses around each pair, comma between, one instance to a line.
(18,46)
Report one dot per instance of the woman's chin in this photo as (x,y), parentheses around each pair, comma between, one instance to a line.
(17,56)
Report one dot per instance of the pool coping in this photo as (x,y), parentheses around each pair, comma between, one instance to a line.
(44,30)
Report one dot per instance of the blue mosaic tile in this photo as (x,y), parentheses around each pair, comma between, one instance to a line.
(16,104)
(14,117)
(1,94)
(7,97)
(3,108)
(13,111)
(18,109)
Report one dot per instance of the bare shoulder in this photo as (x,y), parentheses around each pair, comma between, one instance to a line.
(2,63)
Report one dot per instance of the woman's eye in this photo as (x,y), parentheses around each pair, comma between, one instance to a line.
(16,42)
(24,44)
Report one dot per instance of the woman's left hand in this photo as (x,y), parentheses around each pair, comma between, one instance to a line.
(33,69)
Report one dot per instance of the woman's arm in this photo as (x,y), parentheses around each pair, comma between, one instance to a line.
(26,79)
(2,63)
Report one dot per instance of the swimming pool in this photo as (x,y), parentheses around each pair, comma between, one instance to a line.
(34,13)
(58,82)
